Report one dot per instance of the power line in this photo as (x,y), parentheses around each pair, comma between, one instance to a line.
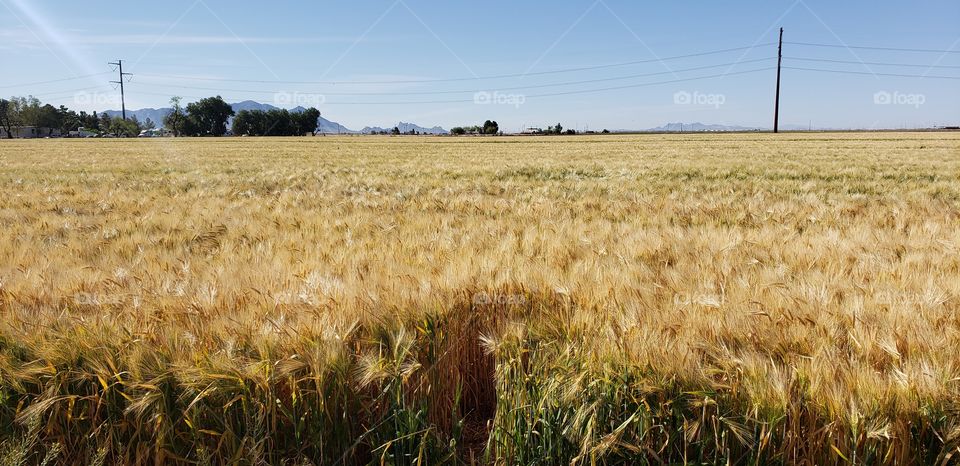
(64,94)
(67,92)
(38,83)
(634,86)
(895,75)
(474,78)
(911,65)
(464,91)
(860,47)
(532,96)
(72,95)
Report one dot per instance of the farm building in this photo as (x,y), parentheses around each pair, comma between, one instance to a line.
(30,132)
(82,132)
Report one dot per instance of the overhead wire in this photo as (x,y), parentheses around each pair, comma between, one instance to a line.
(464,91)
(474,78)
(861,47)
(533,96)
(867,73)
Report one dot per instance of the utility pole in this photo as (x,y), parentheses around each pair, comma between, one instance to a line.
(123,102)
(776,110)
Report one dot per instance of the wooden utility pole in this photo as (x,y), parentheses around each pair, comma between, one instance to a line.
(123,102)
(776,110)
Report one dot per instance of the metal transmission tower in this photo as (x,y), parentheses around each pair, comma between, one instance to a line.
(776,110)
(123,102)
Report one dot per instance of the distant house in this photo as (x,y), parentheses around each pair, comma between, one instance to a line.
(155,133)
(532,131)
(82,132)
(30,132)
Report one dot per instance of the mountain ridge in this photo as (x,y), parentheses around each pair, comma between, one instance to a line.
(404,129)
(698,127)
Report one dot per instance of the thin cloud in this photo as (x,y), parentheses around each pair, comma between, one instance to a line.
(140,39)
(150,39)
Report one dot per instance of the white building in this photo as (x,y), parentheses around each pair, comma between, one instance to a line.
(30,132)
(155,133)
(82,132)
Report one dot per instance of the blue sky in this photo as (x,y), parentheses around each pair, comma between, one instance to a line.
(520,63)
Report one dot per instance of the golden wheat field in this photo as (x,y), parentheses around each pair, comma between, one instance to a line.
(682,299)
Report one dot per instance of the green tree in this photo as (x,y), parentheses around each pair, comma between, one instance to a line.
(306,121)
(47,119)
(124,128)
(69,120)
(245,123)
(279,123)
(105,121)
(276,122)
(9,117)
(458,131)
(490,127)
(91,121)
(395,131)
(28,109)
(259,123)
(209,116)
(175,119)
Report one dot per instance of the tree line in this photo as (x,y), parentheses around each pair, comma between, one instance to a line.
(489,127)
(205,117)
(492,128)
(20,112)
(277,122)
(210,116)
(557,130)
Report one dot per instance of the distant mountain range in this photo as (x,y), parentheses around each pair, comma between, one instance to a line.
(404,128)
(324,125)
(697,127)
(700,127)
(331,127)
(155,115)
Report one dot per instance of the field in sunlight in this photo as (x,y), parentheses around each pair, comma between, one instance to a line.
(741,298)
